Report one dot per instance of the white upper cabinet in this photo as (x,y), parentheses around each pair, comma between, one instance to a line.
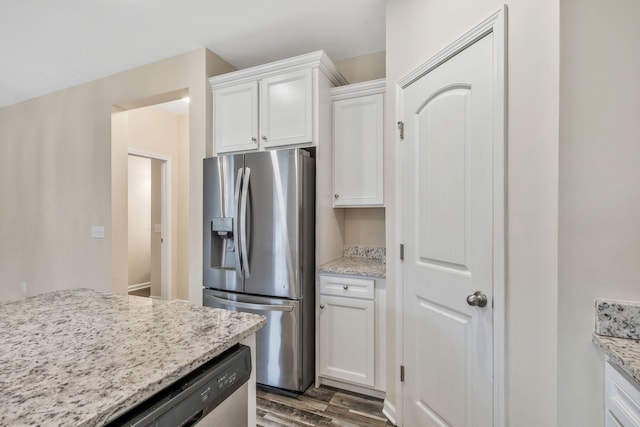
(286,109)
(358,144)
(272,105)
(236,107)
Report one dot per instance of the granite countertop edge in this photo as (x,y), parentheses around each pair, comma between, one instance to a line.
(355,266)
(622,352)
(121,407)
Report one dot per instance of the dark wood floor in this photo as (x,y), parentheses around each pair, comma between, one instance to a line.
(144,292)
(324,406)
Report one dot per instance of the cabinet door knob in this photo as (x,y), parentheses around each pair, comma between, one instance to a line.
(336,195)
(254,139)
(264,138)
(321,306)
(345,287)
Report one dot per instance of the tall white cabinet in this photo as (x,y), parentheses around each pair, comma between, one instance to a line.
(358,137)
(273,105)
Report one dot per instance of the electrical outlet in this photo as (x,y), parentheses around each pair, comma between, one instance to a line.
(23,287)
(97,232)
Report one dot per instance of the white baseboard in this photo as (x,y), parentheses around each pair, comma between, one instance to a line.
(138,286)
(353,387)
(389,411)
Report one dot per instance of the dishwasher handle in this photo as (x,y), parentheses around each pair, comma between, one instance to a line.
(250,306)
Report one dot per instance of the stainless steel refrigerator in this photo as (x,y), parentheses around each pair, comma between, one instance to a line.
(259,255)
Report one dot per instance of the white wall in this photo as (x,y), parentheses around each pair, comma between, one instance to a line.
(599,241)
(416,30)
(139,220)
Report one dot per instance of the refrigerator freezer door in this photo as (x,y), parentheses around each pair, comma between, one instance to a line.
(221,255)
(279,356)
(274,228)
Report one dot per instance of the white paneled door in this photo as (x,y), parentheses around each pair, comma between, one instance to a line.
(448,228)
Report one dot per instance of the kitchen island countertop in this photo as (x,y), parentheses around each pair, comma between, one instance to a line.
(81,357)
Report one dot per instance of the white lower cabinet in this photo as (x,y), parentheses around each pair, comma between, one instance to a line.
(351,332)
(621,399)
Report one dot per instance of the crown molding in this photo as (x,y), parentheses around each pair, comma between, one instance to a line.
(371,87)
(318,59)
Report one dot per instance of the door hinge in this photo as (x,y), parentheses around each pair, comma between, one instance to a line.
(401,129)
(402,373)
(401,252)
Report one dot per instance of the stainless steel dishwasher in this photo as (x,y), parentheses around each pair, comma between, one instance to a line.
(215,394)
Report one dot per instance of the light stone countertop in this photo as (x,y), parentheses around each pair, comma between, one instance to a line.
(356,266)
(622,352)
(81,357)
(617,334)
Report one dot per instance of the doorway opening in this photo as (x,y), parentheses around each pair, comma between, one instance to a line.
(149,225)
(150,196)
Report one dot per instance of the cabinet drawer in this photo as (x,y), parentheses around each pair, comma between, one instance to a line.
(347,287)
(622,399)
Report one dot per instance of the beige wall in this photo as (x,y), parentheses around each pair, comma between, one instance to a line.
(139,220)
(156,131)
(416,30)
(181,289)
(363,68)
(58,168)
(599,241)
(364,227)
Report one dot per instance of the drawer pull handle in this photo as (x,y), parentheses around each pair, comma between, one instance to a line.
(321,306)
(345,287)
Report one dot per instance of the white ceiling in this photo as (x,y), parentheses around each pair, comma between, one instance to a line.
(49,45)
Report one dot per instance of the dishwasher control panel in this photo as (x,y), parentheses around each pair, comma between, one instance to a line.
(195,395)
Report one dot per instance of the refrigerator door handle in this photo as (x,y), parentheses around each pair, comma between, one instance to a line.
(243,221)
(250,306)
(236,238)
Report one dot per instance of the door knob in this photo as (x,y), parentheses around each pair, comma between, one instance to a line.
(264,138)
(477,299)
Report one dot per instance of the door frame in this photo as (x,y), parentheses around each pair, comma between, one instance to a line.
(166,285)
(496,24)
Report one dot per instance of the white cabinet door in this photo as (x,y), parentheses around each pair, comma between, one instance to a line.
(621,399)
(235,117)
(347,339)
(358,151)
(286,109)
